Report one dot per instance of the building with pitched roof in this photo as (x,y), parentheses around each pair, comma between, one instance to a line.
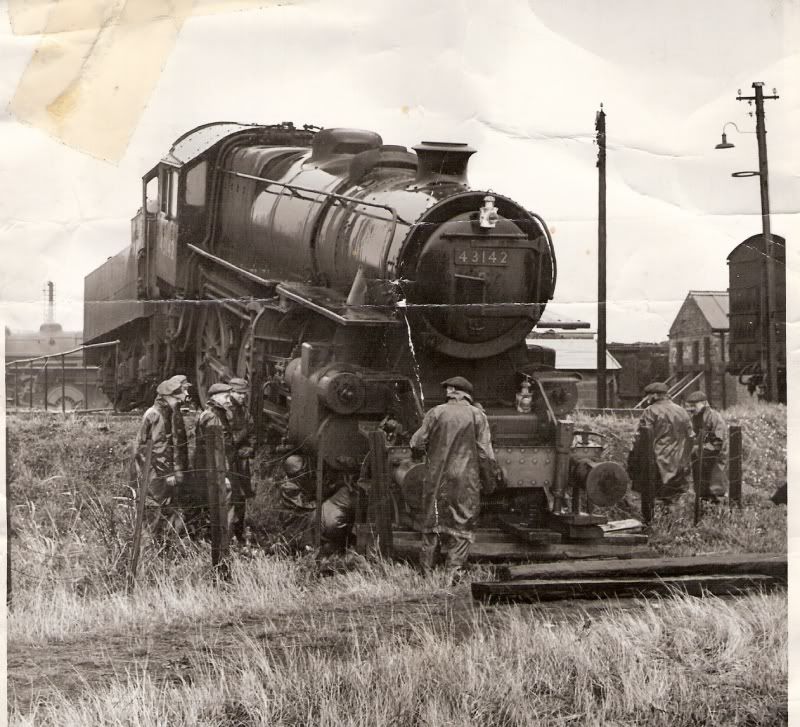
(576,353)
(699,348)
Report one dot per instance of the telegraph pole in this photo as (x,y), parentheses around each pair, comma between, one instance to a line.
(602,389)
(769,251)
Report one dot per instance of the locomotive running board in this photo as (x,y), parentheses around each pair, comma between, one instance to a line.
(334,306)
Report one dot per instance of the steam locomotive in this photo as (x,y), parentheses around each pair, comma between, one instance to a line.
(345,279)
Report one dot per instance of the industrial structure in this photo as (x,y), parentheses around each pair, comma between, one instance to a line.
(576,356)
(50,382)
(758,320)
(699,348)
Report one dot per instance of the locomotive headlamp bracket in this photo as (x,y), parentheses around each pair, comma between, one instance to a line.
(488,213)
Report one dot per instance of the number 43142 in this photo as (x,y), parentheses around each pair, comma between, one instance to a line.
(481,256)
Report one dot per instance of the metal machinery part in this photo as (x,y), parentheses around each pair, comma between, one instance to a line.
(604,483)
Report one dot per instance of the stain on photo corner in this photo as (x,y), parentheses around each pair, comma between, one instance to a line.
(80,85)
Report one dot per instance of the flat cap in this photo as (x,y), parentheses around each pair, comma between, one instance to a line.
(239,385)
(181,379)
(657,387)
(696,396)
(458,382)
(168,387)
(218,389)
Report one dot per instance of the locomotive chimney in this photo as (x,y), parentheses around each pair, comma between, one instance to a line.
(442,162)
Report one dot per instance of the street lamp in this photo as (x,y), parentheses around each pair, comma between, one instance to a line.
(725,144)
(769,257)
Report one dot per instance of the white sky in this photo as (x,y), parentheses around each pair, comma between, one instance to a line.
(520,81)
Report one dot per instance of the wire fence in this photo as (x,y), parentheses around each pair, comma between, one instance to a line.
(28,386)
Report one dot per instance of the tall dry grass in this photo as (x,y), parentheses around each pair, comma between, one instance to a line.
(681,661)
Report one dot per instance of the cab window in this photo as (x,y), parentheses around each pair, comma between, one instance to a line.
(173,194)
(195,194)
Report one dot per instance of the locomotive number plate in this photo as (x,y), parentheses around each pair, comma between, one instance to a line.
(480,256)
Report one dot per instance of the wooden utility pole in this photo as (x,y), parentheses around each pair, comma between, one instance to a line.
(770,352)
(602,389)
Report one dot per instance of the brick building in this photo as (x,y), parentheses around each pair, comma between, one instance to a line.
(699,345)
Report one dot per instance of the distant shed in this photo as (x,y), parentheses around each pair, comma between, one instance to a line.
(577,353)
(699,344)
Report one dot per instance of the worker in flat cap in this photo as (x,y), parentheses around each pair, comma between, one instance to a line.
(672,437)
(213,449)
(243,433)
(167,470)
(181,437)
(457,443)
(710,448)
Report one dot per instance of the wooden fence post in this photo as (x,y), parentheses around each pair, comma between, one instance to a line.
(319,491)
(85,382)
(697,476)
(143,487)
(735,464)
(647,473)
(46,361)
(218,500)
(30,388)
(380,497)
(116,367)
(63,387)
(8,532)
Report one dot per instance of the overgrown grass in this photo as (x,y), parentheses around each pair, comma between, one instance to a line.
(673,662)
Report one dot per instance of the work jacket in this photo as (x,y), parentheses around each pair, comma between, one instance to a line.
(181,439)
(243,441)
(157,426)
(455,436)
(672,437)
(212,422)
(711,436)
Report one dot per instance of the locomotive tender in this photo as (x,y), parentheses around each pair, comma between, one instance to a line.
(345,279)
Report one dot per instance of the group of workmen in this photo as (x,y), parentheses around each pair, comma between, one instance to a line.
(686,440)
(224,438)
(454,438)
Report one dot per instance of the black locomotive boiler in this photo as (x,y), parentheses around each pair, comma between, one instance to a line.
(345,278)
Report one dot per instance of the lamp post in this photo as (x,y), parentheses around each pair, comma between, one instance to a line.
(769,323)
